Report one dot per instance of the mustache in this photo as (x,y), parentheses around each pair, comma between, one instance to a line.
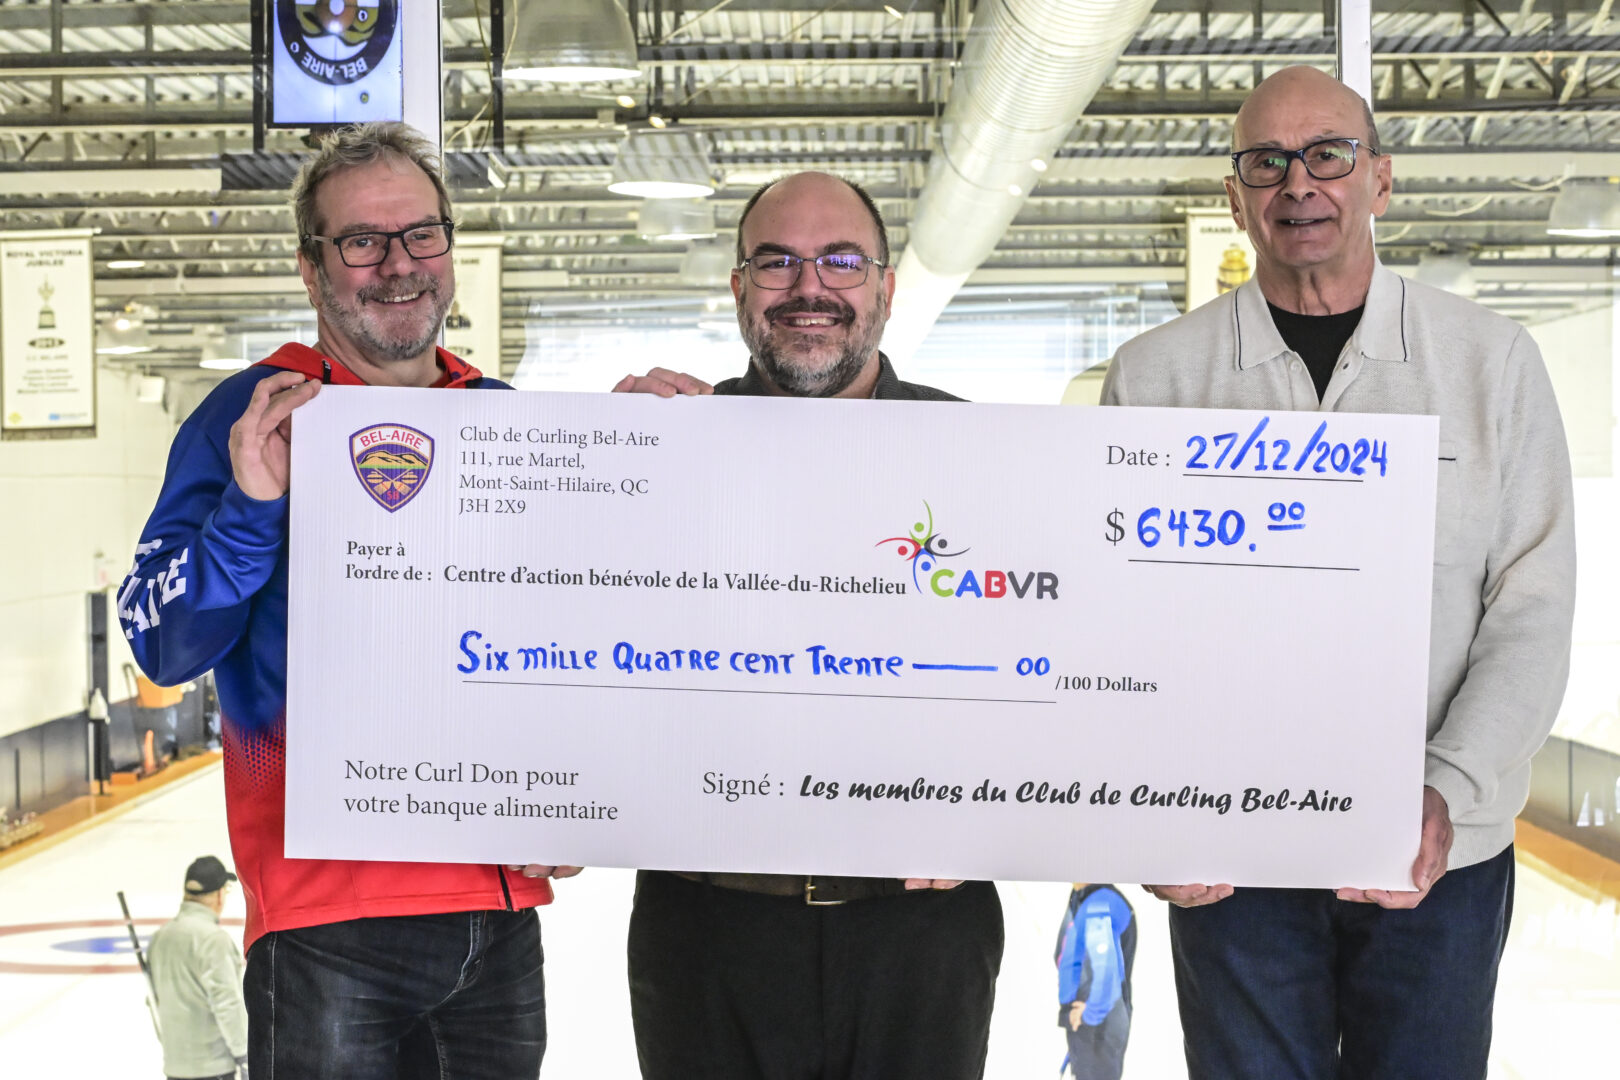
(399,287)
(824,305)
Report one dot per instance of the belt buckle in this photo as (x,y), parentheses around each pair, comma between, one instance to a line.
(810,895)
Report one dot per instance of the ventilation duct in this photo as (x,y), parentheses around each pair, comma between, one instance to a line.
(1029,70)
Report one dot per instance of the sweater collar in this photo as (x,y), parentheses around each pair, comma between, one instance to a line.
(455,372)
(1381,334)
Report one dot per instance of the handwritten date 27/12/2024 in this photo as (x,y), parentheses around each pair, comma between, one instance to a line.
(1321,454)
(1320,457)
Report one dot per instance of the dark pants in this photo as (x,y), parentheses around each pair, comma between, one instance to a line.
(1097,1051)
(1293,984)
(454,997)
(737,985)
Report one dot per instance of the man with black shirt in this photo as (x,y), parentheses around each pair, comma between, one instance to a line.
(772,976)
(1366,983)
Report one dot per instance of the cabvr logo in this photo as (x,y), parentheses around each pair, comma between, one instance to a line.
(927,551)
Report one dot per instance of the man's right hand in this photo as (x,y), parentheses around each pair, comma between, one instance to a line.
(261,441)
(1190,895)
(663,382)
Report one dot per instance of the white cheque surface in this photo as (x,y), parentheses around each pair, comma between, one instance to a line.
(879,638)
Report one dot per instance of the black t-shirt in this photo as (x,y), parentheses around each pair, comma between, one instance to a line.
(1319,339)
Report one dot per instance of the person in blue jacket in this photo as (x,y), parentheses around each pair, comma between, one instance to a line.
(1096,949)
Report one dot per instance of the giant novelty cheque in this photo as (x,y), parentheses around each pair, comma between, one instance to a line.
(878,638)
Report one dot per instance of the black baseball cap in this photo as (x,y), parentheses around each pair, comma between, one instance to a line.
(207,875)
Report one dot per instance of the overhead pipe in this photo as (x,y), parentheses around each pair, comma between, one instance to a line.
(1028,71)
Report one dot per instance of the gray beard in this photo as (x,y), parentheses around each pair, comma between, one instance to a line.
(353,323)
(778,364)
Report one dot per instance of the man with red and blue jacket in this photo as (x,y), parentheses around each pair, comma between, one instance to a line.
(359,970)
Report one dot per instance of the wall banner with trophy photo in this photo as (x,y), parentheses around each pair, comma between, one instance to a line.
(1219,256)
(472,329)
(47,335)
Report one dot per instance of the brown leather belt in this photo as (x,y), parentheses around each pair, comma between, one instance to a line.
(816,891)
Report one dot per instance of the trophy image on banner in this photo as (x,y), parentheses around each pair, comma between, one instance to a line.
(1234,270)
(47,315)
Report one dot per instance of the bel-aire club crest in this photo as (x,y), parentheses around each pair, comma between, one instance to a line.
(392,462)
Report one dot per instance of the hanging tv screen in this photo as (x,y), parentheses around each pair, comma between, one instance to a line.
(335,62)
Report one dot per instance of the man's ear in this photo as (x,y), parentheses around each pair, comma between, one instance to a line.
(309,272)
(1384,171)
(1232,201)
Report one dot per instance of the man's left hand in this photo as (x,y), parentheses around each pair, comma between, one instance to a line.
(534,870)
(1431,860)
(930,883)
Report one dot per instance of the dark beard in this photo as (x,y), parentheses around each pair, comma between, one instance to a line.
(777,365)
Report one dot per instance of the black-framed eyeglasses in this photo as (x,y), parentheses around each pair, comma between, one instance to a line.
(1325,159)
(836,270)
(371,248)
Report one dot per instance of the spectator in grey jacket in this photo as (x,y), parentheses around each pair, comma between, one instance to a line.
(197,977)
(1367,983)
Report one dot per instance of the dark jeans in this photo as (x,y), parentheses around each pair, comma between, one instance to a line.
(1294,984)
(454,997)
(737,985)
(1097,1051)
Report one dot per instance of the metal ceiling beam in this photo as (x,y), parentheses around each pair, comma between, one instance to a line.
(1113,106)
(83,64)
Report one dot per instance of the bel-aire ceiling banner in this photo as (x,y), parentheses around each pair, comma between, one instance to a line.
(47,335)
(335,63)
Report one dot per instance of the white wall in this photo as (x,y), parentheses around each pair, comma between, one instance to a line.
(1581,357)
(72,510)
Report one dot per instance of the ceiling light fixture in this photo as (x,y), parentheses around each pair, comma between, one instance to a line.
(1586,208)
(570,41)
(707,266)
(222,363)
(215,358)
(625,101)
(669,164)
(657,121)
(126,264)
(1452,271)
(676,219)
(124,332)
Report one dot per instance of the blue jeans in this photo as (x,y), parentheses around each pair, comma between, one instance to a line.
(1294,984)
(453,997)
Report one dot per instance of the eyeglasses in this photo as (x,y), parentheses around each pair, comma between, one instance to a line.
(838,270)
(371,248)
(1267,166)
